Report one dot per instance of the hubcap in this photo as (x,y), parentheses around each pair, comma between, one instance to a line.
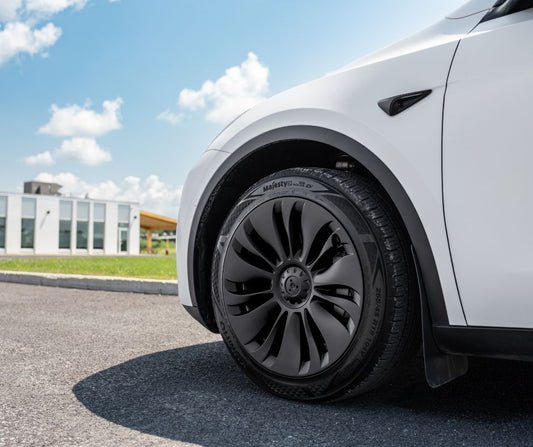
(292,285)
(295,286)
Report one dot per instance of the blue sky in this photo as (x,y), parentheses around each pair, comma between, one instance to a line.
(139,56)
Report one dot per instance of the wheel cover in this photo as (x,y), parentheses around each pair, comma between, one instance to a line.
(292,285)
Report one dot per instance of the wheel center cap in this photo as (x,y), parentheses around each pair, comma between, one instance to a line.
(295,285)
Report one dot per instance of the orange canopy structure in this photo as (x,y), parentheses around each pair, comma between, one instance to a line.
(152,221)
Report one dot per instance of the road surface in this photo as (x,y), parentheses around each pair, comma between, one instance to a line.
(101,368)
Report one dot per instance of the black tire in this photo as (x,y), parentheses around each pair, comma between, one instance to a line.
(314,286)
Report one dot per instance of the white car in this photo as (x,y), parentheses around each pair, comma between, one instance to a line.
(327,231)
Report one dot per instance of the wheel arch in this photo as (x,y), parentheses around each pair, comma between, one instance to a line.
(297,146)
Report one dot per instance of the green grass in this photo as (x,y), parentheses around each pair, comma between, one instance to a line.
(126,266)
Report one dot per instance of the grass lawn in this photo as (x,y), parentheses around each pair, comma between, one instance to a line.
(137,267)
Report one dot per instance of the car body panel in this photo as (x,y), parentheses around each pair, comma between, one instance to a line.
(487,162)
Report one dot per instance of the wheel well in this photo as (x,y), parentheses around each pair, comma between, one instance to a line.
(258,164)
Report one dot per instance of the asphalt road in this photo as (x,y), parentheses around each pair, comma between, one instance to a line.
(103,368)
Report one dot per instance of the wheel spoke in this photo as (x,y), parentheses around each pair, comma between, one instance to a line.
(344,272)
(261,346)
(295,229)
(332,251)
(238,299)
(345,303)
(238,269)
(334,332)
(288,359)
(251,256)
(315,358)
(278,223)
(248,325)
(259,242)
(313,220)
(247,288)
(321,243)
(265,225)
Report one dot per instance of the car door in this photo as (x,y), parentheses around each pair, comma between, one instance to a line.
(488,171)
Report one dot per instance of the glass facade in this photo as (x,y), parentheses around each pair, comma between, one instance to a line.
(65,230)
(123,240)
(99,226)
(27,239)
(82,226)
(123,227)
(2,232)
(3,214)
(65,223)
(99,230)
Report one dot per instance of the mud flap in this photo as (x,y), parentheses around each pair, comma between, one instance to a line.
(440,368)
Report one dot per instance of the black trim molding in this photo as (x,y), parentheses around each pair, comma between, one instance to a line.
(505,8)
(503,343)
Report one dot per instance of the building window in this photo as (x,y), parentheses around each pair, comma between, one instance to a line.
(123,228)
(3,214)
(28,223)
(65,223)
(124,214)
(82,226)
(99,226)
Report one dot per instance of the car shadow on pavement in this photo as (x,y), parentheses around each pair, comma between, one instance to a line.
(196,394)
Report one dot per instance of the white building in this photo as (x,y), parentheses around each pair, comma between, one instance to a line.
(51,224)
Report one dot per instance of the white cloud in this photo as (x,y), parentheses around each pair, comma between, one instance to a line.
(78,120)
(52,6)
(84,150)
(72,185)
(83,124)
(240,88)
(43,158)
(8,9)
(18,37)
(152,193)
(21,28)
(170,117)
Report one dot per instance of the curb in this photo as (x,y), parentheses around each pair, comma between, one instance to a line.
(104,283)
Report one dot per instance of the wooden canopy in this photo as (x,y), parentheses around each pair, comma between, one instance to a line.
(152,221)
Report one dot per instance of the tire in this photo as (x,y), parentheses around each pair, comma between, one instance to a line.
(314,286)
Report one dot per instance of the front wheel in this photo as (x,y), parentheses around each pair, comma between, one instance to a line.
(313,285)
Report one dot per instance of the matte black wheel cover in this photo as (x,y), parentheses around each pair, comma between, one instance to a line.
(292,286)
